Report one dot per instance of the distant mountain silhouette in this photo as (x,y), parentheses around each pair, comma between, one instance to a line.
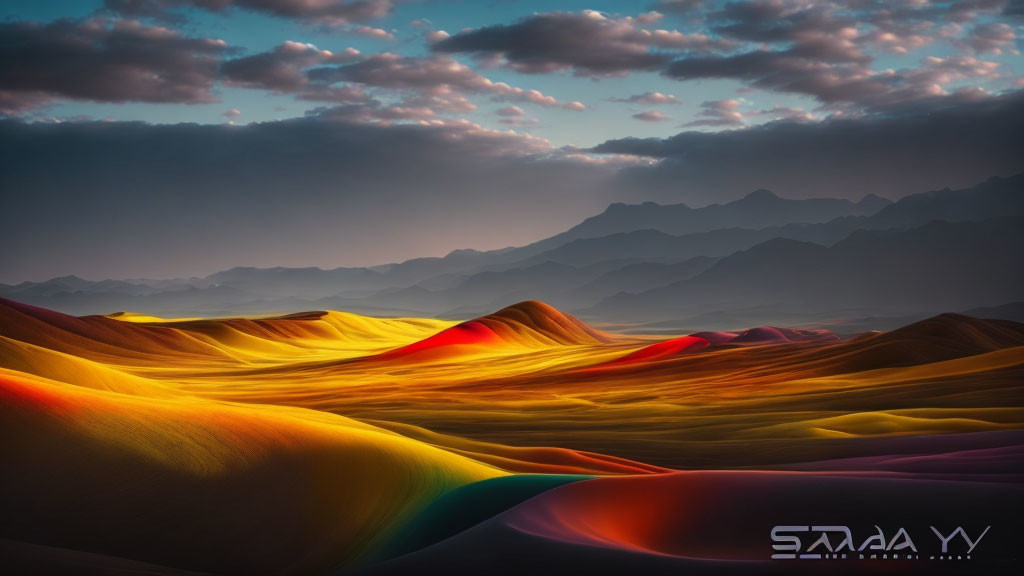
(759,209)
(298,282)
(1013,311)
(760,259)
(994,198)
(638,278)
(940,266)
(657,246)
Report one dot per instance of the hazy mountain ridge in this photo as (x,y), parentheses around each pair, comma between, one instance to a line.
(759,209)
(939,266)
(759,239)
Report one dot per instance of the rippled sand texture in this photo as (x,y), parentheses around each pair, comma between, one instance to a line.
(325,440)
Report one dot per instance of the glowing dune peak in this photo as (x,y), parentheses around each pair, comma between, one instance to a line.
(526,325)
(145,318)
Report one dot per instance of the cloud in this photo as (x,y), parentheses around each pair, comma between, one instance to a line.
(719,113)
(650,98)
(923,148)
(232,113)
(519,122)
(131,199)
(440,77)
(678,6)
(371,32)
(787,113)
(329,13)
(509,111)
(588,42)
(103,61)
(851,84)
(283,71)
(827,50)
(427,86)
(991,37)
(649,17)
(651,116)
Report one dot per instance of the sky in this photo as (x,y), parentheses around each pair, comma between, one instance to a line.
(168,138)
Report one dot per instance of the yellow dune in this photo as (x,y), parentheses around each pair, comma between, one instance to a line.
(268,489)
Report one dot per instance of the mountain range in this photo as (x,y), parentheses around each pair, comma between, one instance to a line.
(759,259)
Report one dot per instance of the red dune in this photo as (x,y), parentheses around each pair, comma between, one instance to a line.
(529,324)
(717,515)
(449,341)
(661,350)
(720,522)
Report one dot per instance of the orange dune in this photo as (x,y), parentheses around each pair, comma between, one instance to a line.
(662,350)
(300,443)
(526,325)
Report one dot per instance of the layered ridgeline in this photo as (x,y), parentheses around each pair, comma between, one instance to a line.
(324,441)
(760,259)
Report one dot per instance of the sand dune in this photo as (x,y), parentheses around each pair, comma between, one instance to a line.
(309,442)
(206,486)
(718,523)
(525,325)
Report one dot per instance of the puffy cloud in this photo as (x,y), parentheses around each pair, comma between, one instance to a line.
(283,71)
(649,17)
(922,148)
(103,61)
(651,116)
(322,12)
(439,76)
(787,113)
(650,98)
(232,113)
(520,122)
(437,35)
(371,32)
(838,85)
(827,49)
(992,37)
(589,43)
(719,113)
(509,111)
(429,86)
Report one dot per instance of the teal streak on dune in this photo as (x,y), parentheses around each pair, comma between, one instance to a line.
(467,506)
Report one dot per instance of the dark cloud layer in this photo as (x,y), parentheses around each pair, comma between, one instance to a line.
(118,61)
(887,155)
(132,199)
(588,43)
(326,12)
